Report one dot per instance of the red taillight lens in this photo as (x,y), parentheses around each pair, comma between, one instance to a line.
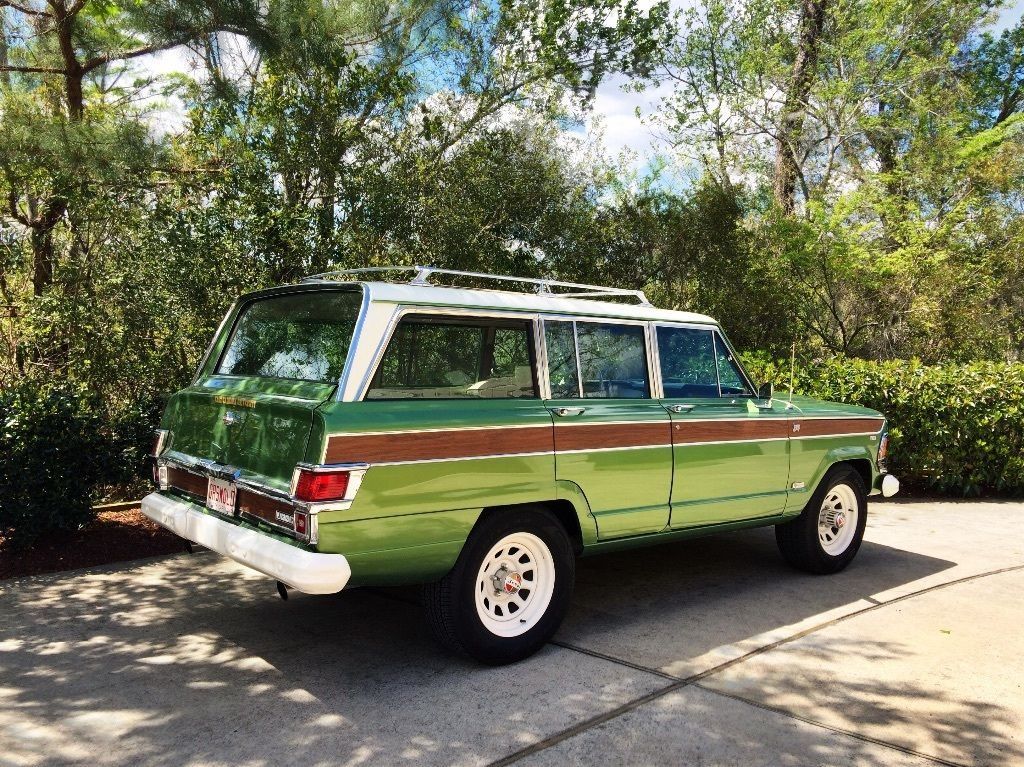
(321,485)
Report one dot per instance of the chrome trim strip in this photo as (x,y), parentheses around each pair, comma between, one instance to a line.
(550,453)
(836,436)
(584,424)
(613,449)
(730,441)
(576,351)
(540,345)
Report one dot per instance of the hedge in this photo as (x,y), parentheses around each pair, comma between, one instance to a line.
(53,454)
(956,429)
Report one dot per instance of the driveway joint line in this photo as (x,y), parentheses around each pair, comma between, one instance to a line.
(682,682)
(830,727)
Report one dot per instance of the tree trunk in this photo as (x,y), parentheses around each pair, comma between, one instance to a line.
(791,120)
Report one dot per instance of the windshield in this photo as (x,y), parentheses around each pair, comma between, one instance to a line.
(300,336)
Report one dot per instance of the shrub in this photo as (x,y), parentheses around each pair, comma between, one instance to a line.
(53,452)
(956,429)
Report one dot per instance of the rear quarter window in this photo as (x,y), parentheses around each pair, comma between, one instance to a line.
(441,358)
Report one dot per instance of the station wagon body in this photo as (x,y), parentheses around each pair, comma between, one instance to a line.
(344,432)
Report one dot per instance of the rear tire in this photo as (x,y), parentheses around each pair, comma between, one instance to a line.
(826,536)
(509,589)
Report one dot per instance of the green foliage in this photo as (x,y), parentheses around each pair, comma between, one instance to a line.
(53,452)
(956,429)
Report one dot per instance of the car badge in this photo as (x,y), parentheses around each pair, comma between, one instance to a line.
(230,419)
(513,582)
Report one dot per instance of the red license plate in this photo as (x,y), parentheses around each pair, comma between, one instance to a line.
(221,495)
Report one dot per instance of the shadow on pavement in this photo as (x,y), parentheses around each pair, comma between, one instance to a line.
(190,660)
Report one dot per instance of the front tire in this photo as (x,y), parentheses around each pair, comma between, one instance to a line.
(509,589)
(826,536)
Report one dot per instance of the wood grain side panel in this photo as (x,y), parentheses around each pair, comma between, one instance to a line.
(822,427)
(687,432)
(263,507)
(438,445)
(186,481)
(598,436)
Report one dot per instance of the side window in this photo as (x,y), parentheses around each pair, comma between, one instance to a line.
(688,365)
(613,360)
(562,373)
(440,358)
(730,378)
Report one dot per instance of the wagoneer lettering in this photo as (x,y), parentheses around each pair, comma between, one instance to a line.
(349,430)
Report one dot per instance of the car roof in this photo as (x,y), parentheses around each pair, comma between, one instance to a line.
(505,300)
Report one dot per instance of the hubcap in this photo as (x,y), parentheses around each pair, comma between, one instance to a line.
(514,584)
(837,519)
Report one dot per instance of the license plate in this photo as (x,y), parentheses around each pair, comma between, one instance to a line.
(220,496)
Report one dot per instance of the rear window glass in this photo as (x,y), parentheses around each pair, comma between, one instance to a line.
(301,336)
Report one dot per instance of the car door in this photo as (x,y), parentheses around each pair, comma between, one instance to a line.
(612,439)
(731,451)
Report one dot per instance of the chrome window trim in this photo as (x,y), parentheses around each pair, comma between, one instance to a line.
(575,320)
(213,341)
(540,343)
(718,373)
(720,334)
(579,363)
(249,298)
(716,333)
(438,311)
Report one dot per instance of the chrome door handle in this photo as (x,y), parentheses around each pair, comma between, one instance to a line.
(679,408)
(567,411)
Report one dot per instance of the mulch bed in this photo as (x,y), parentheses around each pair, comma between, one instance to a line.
(113,536)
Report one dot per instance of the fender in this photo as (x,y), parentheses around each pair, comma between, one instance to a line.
(797,499)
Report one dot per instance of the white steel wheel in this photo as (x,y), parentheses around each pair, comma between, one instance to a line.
(827,534)
(837,519)
(514,584)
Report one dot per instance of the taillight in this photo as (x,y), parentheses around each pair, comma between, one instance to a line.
(883,450)
(316,486)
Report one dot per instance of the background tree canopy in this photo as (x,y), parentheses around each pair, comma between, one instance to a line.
(845,174)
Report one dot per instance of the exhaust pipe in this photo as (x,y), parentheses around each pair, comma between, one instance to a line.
(282,591)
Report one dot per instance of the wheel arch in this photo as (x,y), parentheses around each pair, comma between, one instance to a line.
(562,509)
(856,457)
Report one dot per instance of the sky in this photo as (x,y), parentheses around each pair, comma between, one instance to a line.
(613,118)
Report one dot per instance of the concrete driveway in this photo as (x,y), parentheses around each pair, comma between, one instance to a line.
(708,652)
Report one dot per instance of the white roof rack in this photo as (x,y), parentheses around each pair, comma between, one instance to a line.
(422,275)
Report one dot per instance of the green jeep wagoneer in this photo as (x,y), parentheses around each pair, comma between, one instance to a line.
(342,432)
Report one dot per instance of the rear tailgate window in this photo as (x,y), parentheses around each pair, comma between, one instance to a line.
(298,337)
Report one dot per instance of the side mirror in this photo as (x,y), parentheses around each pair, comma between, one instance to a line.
(766,391)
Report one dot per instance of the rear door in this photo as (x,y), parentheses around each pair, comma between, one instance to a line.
(611,438)
(731,451)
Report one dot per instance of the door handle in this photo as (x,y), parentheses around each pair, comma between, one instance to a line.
(679,408)
(567,411)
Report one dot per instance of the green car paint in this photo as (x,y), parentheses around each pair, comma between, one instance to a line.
(411,517)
